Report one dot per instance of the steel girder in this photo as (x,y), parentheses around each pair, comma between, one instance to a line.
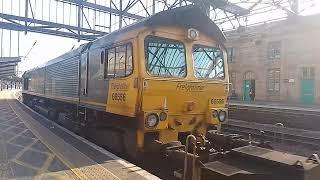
(46,27)
(6,60)
(32,23)
(101,8)
(8,65)
(223,5)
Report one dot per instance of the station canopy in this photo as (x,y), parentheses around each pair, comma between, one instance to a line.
(8,67)
(260,11)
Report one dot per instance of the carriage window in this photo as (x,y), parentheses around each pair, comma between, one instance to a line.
(165,57)
(119,61)
(102,57)
(110,63)
(208,62)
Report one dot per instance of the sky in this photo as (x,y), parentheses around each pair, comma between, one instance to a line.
(48,47)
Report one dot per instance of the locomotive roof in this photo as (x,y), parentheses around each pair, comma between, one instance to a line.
(186,16)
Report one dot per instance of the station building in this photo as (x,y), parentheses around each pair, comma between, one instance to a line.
(278,61)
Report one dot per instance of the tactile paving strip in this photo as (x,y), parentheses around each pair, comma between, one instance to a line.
(80,164)
(22,154)
(78,158)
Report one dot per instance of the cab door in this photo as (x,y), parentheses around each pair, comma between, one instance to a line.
(122,76)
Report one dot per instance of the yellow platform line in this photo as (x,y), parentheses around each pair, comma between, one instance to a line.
(69,165)
(64,151)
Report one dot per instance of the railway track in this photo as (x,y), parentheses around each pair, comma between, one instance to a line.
(274,133)
(292,117)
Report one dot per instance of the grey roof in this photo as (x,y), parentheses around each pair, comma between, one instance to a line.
(9,59)
(8,66)
(186,16)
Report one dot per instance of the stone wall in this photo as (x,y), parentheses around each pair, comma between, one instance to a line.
(299,39)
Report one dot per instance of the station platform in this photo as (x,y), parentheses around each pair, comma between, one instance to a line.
(276,105)
(32,147)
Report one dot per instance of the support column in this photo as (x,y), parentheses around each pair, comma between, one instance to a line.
(79,20)
(295,6)
(153,7)
(26,15)
(120,15)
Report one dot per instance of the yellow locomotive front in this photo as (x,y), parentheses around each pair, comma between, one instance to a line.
(184,84)
(173,79)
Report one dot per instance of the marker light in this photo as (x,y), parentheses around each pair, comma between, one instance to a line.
(163,116)
(152,120)
(193,34)
(215,113)
(222,116)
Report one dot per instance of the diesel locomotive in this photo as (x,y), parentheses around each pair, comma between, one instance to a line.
(158,85)
(159,79)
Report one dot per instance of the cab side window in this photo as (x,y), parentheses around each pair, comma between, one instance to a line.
(118,61)
(111,56)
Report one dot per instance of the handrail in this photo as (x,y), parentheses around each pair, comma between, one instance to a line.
(281,133)
(189,138)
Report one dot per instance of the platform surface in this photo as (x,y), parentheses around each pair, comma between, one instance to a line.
(32,147)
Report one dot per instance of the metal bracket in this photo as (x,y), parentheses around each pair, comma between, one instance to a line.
(314,158)
(281,133)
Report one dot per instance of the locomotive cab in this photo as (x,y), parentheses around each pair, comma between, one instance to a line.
(184,84)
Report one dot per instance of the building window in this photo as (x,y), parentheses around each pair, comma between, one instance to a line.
(273,82)
(233,80)
(118,61)
(308,73)
(249,75)
(230,53)
(274,50)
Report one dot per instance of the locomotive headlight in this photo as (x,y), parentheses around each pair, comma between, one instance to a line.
(193,34)
(222,116)
(152,120)
(163,116)
(215,113)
